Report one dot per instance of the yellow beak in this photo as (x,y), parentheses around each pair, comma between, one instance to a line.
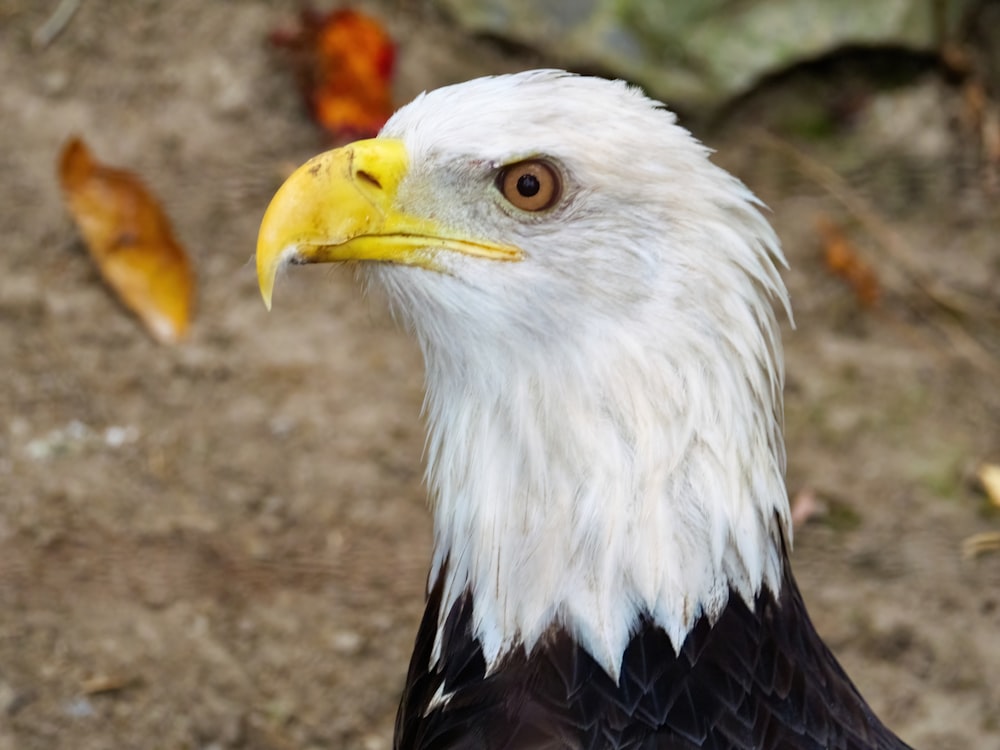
(340,206)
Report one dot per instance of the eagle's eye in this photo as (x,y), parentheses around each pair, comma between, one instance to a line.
(532,185)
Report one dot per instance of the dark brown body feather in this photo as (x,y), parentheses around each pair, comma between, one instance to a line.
(759,679)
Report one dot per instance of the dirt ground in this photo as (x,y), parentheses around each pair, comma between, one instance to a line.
(224,544)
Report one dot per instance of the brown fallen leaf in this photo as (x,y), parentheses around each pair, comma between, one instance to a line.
(843,260)
(344,62)
(130,240)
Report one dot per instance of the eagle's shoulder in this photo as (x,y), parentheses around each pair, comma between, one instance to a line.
(757,679)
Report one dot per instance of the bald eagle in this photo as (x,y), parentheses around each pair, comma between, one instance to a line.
(593,299)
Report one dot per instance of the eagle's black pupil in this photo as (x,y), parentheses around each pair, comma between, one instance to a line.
(528,185)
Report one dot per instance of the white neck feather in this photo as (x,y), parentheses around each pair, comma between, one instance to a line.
(587,481)
(569,497)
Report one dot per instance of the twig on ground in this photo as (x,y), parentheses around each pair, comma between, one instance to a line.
(55,24)
(981,544)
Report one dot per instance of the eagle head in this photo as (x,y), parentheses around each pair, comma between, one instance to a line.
(593,298)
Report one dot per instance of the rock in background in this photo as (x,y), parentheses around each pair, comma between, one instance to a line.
(700,53)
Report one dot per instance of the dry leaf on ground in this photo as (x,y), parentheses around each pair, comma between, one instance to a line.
(989,476)
(988,541)
(130,239)
(344,62)
(843,260)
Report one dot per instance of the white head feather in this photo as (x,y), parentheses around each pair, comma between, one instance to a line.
(604,415)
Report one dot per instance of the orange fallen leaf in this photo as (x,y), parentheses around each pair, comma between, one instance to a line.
(843,260)
(344,61)
(130,239)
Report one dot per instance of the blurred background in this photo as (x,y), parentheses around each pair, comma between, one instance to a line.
(223,543)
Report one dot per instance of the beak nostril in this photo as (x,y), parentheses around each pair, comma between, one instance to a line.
(369,178)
